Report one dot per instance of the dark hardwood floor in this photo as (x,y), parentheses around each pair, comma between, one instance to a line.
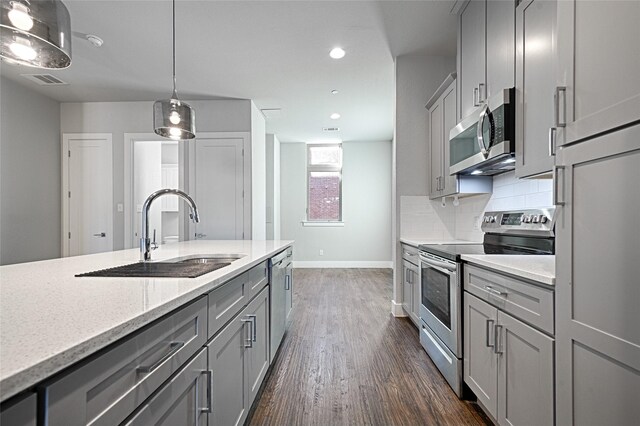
(347,360)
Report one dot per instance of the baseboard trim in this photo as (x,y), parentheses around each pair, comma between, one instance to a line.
(396,309)
(343,264)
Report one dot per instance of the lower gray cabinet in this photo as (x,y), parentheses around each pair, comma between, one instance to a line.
(508,365)
(411,291)
(480,361)
(21,412)
(183,400)
(258,353)
(239,359)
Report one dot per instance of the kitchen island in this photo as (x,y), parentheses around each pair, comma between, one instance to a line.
(51,320)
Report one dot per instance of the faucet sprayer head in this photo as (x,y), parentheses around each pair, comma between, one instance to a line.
(194,215)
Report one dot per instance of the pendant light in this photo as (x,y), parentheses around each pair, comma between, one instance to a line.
(173,118)
(35,33)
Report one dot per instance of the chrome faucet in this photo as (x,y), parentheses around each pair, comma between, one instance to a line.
(145,241)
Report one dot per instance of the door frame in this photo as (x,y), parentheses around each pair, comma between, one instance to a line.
(246,184)
(129,141)
(66,137)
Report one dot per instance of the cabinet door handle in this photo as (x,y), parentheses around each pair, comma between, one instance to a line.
(488,327)
(481,97)
(248,343)
(287,283)
(556,187)
(556,105)
(254,326)
(552,141)
(497,339)
(173,348)
(475,97)
(209,408)
(495,291)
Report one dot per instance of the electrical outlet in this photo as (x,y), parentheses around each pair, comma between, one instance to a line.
(321,252)
(120,207)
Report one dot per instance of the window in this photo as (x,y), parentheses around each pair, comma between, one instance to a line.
(324,183)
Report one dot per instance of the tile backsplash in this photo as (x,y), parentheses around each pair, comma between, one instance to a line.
(425,219)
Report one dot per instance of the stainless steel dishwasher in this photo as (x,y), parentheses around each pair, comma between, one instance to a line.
(280,292)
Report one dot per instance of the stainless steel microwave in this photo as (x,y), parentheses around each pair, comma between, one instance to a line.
(483,143)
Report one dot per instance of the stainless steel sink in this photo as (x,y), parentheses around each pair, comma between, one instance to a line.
(206,258)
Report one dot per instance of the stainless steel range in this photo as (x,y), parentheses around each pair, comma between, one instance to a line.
(506,232)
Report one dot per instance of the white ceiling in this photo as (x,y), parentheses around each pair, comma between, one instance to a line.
(274,52)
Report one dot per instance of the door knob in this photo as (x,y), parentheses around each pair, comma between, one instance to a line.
(101,235)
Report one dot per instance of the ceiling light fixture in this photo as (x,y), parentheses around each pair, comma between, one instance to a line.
(35,33)
(337,53)
(173,118)
(334,92)
(95,40)
(335,116)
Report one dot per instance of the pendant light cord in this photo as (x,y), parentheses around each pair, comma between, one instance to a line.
(175,94)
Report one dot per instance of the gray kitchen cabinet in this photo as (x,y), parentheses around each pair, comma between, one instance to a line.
(471,56)
(227,354)
(258,356)
(480,361)
(411,283)
(597,92)
(279,282)
(112,385)
(20,411)
(525,374)
(508,364)
(597,291)
(239,360)
(535,84)
(485,52)
(442,107)
(184,400)
(500,45)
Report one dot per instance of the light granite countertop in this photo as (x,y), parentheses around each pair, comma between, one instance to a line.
(50,319)
(415,242)
(539,268)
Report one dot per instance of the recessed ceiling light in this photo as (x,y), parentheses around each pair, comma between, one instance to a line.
(95,40)
(335,116)
(337,53)
(334,92)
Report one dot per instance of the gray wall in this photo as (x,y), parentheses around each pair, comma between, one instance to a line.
(273,187)
(258,175)
(417,78)
(30,179)
(366,210)
(119,118)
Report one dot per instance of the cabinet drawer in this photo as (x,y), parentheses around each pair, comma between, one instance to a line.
(109,387)
(226,301)
(20,411)
(410,254)
(528,302)
(258,278)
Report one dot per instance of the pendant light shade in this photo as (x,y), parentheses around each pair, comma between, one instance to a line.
(173,118)
(35,33)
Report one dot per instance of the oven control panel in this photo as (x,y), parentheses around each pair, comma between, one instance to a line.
(527,221)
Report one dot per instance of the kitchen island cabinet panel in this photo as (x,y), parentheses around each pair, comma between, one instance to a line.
(22,412)
(184,400)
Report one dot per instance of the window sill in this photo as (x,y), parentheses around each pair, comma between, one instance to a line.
(323,224)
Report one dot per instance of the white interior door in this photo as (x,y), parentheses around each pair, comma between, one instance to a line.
(218,185)
(88,184)
(147,179)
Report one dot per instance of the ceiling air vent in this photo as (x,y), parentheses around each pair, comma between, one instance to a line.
(331,129)
(44,79)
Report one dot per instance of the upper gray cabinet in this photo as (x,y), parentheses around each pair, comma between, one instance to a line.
(598,74)
(535,84)
(485,51)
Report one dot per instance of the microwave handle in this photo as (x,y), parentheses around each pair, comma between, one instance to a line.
(484,115)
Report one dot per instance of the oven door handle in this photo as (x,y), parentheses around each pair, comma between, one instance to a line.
(441,266)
